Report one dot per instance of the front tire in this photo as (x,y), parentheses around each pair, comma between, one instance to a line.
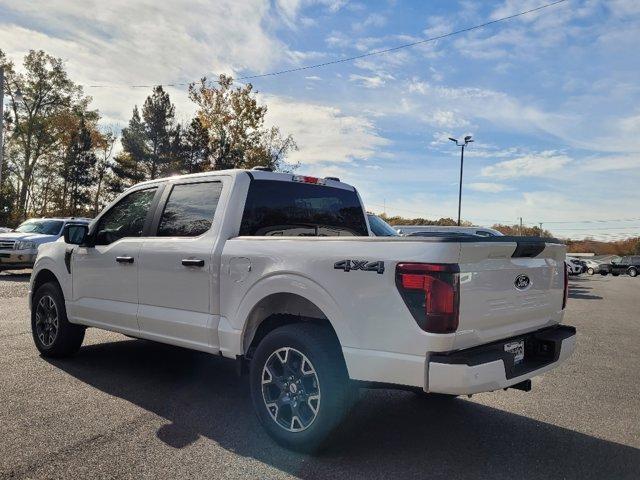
(300,386)
(590,271)
(633,272)
(52,333)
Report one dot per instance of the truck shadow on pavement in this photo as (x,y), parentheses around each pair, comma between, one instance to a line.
(579,288)
(389,435)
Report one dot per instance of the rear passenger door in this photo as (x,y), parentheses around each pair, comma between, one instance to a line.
(177,276)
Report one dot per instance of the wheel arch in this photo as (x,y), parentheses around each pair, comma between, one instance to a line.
(44,276)
(276,310)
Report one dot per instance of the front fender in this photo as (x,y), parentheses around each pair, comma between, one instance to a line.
(51,257)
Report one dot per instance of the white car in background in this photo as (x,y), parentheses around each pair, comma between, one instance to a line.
(575,267)
(424,230)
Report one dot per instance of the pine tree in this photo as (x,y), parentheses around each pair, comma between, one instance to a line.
(129,165)
(158,113)
(80,161)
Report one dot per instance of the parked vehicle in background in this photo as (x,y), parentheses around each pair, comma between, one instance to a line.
(380,228)
(575,267)
(592,266)
(5,229)
(579,264)
(18,248)
(629,265)
(281,273)
(406,230)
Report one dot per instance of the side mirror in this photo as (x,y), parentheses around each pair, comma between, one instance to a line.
(76,234)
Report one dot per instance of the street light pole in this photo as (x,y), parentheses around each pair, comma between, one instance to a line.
(460,189)
(467,140)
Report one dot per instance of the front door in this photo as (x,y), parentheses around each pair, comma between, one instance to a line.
(105,275)
(178,273)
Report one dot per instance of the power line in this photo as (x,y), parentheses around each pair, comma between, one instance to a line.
(355,57)
(595,221)
(595,228)
(400,47)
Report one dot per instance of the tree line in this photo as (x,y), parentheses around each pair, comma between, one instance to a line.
(628,246)
(59,160)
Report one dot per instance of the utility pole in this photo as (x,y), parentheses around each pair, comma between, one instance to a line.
(1,122)
(520,226)
(540,228)
(467,140)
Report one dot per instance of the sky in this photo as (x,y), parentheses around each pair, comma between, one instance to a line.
(552,98)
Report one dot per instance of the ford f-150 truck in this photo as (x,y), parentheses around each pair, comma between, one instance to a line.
(280,272)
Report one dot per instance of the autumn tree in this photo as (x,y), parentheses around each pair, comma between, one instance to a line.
(105,143)
(526,231)
(443,222)
(195,151)
(46,94)
(235,124)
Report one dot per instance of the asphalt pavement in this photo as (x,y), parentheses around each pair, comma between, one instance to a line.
(125,408)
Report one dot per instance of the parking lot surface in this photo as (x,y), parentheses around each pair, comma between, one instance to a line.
(125,408)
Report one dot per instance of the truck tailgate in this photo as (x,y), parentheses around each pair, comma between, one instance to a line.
(507,287)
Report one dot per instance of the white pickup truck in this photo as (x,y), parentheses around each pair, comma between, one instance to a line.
(280,273)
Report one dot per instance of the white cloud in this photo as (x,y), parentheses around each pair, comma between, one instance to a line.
(372,20)
(324,134)
(119,43)
(533,165)
(373,81)
(487,187)
(606,164)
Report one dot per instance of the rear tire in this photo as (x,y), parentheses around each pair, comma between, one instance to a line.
(52,333)
(590,271)
(633,272)
(300,386)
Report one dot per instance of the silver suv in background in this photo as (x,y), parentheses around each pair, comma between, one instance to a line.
(18,248)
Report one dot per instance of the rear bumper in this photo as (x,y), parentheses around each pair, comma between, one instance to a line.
(488,367)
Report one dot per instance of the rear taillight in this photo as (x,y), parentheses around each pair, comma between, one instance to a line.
(566,286)
(432,293)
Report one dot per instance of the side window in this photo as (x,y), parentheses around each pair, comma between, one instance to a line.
(126,218)
(190,209)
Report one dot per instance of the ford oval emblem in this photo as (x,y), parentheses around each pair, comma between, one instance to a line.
(522,282)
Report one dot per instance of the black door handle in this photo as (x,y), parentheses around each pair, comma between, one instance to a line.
(124,259)
(193,262)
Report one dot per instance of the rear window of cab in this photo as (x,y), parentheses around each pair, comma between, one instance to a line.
(280,208)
